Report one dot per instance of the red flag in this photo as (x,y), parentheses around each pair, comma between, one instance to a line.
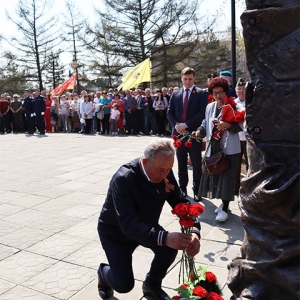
(67,85)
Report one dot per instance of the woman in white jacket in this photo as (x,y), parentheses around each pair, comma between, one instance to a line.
(86,110)
(225,139)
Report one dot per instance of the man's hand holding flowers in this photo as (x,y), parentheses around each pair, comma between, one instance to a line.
(181,241)
(180,128)
(178,240)
(194,246)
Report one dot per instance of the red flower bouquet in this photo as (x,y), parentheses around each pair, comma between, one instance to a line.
(188,214)
(185,138)
(231,113)
(203,286)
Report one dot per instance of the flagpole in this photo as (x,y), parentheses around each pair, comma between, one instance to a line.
(150,76)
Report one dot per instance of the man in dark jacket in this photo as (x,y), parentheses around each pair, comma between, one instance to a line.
(129,218)
(39,109)
(28,105)
(185,112)
(129,110)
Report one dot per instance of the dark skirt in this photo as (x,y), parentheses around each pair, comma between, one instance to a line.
(220,186)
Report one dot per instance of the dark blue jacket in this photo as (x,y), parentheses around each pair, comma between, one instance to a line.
(28,106)
(39,105)
(134,204)
(195,110)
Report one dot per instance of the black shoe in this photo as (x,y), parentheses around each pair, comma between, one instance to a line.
(157,294)
(183,194)
(197,199)
(104,290)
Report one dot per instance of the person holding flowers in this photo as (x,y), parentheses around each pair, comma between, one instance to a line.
(130,218)
(221,126)
(185,112)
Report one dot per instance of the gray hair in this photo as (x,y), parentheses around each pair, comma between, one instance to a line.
(164,146)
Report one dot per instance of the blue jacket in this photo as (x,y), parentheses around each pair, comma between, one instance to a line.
(28,106)
(39,105)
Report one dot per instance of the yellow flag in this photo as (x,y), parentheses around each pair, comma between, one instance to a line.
(134,76)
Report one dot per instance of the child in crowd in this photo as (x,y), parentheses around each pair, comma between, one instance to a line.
(114,117)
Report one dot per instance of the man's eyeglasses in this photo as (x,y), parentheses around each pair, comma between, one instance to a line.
(218,93)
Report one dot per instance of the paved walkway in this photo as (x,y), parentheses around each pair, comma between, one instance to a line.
(51,191)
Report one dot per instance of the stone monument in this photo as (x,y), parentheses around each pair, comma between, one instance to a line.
(269,266)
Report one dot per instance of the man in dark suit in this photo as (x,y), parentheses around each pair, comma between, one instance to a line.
(39,109)
(185,113)
(29,111)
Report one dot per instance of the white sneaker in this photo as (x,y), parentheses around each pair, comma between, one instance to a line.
(222,216)
(218,209)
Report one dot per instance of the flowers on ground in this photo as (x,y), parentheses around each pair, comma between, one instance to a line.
(185,138)
(203,286)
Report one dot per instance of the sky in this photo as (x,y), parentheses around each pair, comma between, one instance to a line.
(220,8)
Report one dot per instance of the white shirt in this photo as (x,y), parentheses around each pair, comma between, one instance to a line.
(74,105)
(79,102)
(87,108)
(241,133)
(64,110)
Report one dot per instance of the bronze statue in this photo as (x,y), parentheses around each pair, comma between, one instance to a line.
(269,266)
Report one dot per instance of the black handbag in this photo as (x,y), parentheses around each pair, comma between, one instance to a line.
(215,164)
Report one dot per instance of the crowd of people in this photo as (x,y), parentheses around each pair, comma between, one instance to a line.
(109,112)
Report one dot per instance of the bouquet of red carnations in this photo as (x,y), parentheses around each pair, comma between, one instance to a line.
(178,139)
(200,284)
(188,214)
(203,286)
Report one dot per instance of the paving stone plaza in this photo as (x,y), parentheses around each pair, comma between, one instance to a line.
(51,192)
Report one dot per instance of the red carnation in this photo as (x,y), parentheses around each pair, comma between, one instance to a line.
(186,222)
(177,144)
(188,144)
(210,277)
(199,291)
(175,137)
(184,286)
(199,207)
(214,296)
(192,277)
(180,209)
(196,209)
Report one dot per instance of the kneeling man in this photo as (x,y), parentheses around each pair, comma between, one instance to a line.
(129,218)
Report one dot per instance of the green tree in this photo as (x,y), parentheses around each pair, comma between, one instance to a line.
(213,56)
(105,63)
(12,79)
(55,71)
(130,31)
(35,23)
